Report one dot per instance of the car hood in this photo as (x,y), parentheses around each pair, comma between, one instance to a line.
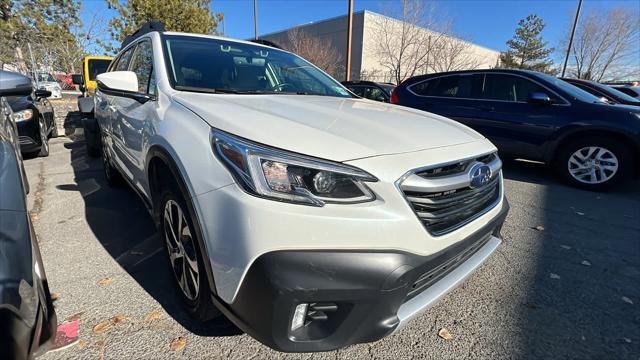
(338,129)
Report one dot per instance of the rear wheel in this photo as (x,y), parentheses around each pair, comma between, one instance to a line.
(185,257)
(111,174)
(594,163)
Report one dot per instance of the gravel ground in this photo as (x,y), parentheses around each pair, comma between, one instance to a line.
(564,284)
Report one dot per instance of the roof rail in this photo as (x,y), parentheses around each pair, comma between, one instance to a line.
(145,28)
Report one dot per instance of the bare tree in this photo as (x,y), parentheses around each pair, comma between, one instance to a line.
(606,47)
(402,45)
(320,52)
(454,54)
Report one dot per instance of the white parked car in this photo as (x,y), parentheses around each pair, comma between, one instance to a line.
(310,218)
(45,81)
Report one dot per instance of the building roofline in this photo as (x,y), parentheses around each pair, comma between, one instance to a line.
(312,23)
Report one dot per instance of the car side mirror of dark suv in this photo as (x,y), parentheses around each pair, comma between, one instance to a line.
(539,98)
(76,79)
(41,93)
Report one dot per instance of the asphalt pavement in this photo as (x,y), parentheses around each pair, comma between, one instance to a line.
(565,283)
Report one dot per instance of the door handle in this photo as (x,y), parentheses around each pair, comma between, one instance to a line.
(486,108)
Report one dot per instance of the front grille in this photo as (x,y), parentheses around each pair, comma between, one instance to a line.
(444,203)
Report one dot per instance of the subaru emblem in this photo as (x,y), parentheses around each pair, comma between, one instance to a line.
(479,175)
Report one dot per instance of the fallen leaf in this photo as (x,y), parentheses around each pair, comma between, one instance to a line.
(627,300)
(117,319)
(55,296)
(585,263)
(75,316)
(102,326)
(554,276)
(82,344)
(155,314)
(178,344)
(539,228)
(105,281)
(445,334)
(566,247)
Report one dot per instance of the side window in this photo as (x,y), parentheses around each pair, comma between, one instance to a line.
(506,87)
(458,86)
(358,90)
(142,65)
(373,93)
(123,61)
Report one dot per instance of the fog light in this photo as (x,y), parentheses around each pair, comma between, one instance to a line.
(299,316)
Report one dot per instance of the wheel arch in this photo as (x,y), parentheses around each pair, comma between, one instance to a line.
(570,135)
(162,167)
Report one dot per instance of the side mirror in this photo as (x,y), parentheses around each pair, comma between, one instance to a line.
(41,93)
(77,79)
(122,84)
(538,98)
(14,84)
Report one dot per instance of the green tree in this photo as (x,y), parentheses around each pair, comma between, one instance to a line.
(527,49)
(193,16)
(45,26)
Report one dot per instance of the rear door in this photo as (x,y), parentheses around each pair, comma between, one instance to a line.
(515,126)
(452,96)
(130,115)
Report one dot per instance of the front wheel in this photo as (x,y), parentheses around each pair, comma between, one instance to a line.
(185,257)
(44,139)
(594,163)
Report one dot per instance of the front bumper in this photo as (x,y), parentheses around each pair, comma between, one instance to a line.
(358,296)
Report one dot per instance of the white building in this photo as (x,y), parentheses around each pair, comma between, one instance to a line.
(366,57)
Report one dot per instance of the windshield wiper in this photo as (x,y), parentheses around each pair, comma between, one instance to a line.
(207,90)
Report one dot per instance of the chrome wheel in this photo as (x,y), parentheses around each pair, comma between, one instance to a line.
(43,137)
(593,165)
(182,251)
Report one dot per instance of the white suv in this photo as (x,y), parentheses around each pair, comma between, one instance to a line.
(309,217)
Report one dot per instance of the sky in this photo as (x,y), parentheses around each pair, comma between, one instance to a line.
(487,23)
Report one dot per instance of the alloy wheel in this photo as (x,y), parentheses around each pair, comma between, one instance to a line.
(593,165)
(182,251)
(43,137)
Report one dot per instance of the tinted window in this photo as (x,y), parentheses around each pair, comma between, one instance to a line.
(97,67)
(459,86)
(510,88)
(123,61)
(569,89)
(142,65)
(196,64)
(374,93)
(358,90)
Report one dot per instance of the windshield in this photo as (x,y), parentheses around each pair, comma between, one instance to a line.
(44,77)
(571,90)
(97,67)
(617,93)
(214,65)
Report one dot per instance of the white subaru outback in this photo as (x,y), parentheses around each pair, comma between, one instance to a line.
(311,218)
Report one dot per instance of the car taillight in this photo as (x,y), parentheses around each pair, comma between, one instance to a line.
(394,96)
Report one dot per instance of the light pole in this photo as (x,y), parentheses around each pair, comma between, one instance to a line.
(347,75)
(255,18)
(573,32)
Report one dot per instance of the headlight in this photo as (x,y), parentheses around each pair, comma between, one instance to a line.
(285,176)
(23,115)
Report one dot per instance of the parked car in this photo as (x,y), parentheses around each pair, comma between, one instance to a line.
(35,118)
(530,115)
(310,218)
(27,316)
(604,92)
(46,81)
(370,90)
(92,66)
(633,91)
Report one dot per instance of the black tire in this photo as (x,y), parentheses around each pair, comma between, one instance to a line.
(197,299)
(620,154)
(44,139)
(54,131)
(111,173)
